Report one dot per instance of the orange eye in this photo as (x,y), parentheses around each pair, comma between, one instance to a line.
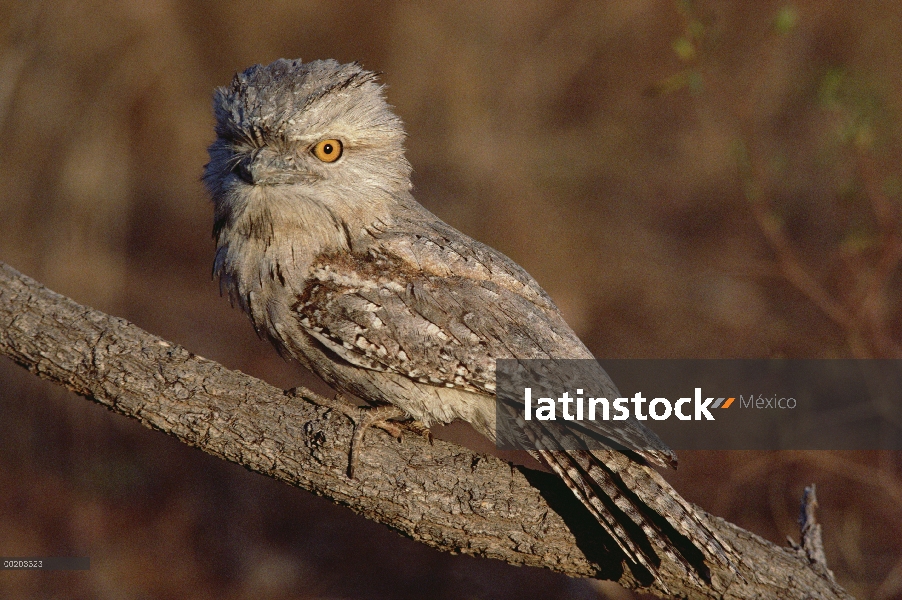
(328,150)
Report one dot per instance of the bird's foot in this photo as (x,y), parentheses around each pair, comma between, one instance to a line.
(419,428)
(363,418)
(377,416)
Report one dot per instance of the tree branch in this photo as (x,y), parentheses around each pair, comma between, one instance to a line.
(442,495)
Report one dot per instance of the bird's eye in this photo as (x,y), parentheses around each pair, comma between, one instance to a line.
(327,150)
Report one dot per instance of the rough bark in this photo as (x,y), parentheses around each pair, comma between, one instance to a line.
(441,495)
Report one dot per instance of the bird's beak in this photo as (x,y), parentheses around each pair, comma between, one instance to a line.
(266,167)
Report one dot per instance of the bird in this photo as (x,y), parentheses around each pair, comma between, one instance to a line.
(320,241)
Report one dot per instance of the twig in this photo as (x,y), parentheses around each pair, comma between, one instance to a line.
(812,538)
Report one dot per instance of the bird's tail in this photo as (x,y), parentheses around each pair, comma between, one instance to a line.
(640,511)
(645,516)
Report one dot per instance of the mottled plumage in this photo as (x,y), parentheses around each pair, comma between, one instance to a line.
(343,270)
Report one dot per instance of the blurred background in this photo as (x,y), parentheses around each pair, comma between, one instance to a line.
(686,179)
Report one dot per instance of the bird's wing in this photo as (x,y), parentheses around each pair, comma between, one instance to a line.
(443,316)
(378,312)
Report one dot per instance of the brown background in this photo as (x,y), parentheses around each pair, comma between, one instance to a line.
(714,179)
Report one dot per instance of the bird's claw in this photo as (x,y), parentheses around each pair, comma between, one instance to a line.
(418,428)
(362,419)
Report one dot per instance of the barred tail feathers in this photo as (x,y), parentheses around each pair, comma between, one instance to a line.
(653,492)
(635,505)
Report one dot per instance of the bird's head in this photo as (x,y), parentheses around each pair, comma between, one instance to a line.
(305,132)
